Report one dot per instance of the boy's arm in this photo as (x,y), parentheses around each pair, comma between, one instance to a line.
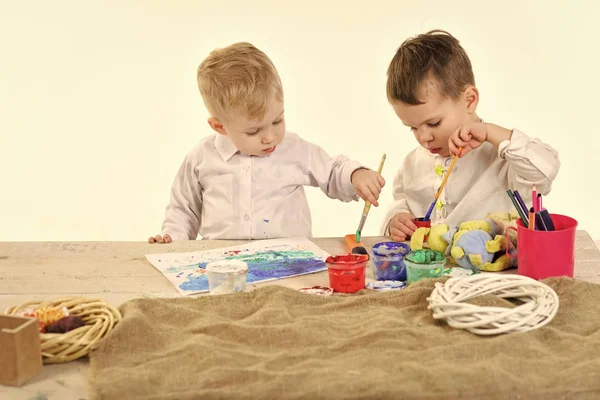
(183,214)
(399,205)
(530,161)
(331,174)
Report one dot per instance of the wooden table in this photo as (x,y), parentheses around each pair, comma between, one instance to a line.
(119,271)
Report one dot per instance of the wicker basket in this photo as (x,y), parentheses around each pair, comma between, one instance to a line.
(99,317)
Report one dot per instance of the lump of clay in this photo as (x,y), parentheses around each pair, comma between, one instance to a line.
(65,325)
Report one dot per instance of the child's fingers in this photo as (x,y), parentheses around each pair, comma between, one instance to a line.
(410,225)
(461,136)
(399,238)
(168,239)
(453,148)
(465,135)
(373,199)
(397,235)
(474,143)
(159,239)
(401,228)
(151,239)
(367,195)
(375,188)
(361,193)
(406,230)
(457,141)
(381,180)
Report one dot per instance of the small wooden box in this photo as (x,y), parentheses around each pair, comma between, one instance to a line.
(20,353)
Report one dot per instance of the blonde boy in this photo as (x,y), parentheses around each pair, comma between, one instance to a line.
(431,88)
(247,180)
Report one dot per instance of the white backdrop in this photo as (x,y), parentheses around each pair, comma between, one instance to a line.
(99,104)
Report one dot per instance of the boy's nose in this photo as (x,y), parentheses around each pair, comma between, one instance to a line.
(425,135)
(268,137)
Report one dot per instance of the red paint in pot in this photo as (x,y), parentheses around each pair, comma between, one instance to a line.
(347,272)
(421,223)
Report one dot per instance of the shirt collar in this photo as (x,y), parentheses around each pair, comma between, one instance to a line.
(225,147)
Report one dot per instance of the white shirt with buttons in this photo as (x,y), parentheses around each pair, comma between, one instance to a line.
(221,193)
(478,182)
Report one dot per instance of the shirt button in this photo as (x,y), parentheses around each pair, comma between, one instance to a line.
(246,217)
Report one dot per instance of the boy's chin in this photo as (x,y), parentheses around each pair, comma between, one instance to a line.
(259,154)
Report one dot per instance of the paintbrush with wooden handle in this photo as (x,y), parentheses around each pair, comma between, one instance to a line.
(367,205)
(439,191)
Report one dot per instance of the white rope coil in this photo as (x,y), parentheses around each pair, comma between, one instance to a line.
(447,301)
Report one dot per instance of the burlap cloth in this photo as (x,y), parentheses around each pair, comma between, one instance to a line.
(276,343)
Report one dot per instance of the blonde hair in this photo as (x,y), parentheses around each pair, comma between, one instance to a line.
(238,79)
(435,54)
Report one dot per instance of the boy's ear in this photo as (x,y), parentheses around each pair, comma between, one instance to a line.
(471,98)
(217,125)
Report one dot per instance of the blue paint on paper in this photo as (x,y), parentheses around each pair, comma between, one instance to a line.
(263,266)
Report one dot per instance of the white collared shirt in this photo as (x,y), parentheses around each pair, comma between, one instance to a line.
(221,193)
(478,182)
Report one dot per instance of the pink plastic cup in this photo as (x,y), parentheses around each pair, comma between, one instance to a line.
(543,254)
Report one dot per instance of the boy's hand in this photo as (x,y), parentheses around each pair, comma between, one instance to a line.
(367,184)
(469,137)
(402,226)
(160,239)
(473,135)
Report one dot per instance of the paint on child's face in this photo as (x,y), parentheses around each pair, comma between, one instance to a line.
(258,137)
(434,121)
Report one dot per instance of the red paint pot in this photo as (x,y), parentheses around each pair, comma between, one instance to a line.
(421,223)
(347,272)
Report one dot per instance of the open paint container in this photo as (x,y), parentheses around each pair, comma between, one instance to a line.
(226,276)
(388,261)
(422,223)
(347,272)
(424,264)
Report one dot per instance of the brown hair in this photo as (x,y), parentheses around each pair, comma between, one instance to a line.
(238,79)
(436,54)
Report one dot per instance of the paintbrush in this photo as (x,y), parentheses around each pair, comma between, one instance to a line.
(367,207)
(439,191)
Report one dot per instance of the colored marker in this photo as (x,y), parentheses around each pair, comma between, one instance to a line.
(531,219)
(539,222)
(520,201)
(534,198)
(524,219)
(545,215)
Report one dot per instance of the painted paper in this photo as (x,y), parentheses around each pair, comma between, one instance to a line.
(267,260)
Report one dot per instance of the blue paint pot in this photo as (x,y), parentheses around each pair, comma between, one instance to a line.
(388,261)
